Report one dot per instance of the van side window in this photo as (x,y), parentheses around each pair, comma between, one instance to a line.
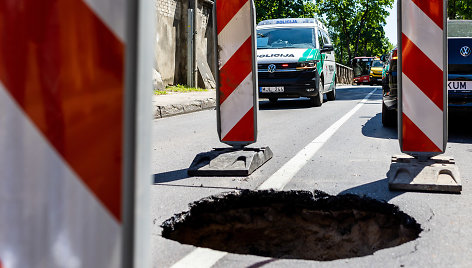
(325,37)
(320,39)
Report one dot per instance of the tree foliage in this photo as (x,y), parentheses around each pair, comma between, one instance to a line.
(275,9)
(355,26)
(459,9)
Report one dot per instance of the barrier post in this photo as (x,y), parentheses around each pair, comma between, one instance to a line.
(422,100)
(237,95)
(75,159)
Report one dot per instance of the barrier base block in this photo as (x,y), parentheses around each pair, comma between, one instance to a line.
(435,174)
(229,161)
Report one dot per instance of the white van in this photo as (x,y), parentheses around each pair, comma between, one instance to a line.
(295,58)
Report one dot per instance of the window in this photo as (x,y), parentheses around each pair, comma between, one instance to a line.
(325,38)
(285,38)
(459,28)
(320,39)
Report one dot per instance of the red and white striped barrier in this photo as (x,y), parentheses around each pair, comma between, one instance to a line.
(62,92)
(237,76)
(422,76)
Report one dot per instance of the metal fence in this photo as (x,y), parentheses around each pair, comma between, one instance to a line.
(344,74)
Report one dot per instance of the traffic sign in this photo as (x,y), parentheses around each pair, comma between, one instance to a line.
(422,77)
(69,141)
(236,77)
(237,104)
(422,106)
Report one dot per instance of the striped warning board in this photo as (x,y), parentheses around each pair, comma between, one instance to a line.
(236,78)
(61,114)
(423,69)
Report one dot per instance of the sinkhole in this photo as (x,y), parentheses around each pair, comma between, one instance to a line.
(292,225)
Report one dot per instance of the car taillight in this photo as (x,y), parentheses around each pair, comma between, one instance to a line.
(394,55)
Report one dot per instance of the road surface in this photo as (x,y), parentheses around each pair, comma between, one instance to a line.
(352,156)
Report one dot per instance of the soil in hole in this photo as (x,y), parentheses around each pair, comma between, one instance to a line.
(292,224)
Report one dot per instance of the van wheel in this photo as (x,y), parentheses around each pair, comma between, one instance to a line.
(331,96)
(317,100)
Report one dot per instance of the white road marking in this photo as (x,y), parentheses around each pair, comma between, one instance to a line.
(205,258)
(283,176)
(200,258)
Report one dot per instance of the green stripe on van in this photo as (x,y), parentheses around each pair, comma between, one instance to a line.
(310,54)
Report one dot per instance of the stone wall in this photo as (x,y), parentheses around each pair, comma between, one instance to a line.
(171,38)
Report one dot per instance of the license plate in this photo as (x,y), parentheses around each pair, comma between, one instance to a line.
(272,89)
(459,85)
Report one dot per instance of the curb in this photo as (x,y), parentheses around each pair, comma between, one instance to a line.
(162,111)
(177,109)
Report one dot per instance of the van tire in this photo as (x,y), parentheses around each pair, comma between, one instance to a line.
(331,96)
(317,100)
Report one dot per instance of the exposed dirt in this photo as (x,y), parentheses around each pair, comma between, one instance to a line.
(292,224)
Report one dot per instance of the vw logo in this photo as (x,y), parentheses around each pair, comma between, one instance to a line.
(465,51)
(271,68)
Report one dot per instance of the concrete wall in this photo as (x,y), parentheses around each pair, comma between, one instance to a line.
(170,29)
(172,34)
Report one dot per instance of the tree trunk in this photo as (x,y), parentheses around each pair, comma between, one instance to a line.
(361,27)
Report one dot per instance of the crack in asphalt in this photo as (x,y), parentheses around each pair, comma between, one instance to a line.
(429,220)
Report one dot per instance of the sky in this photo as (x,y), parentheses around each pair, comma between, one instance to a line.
(391,27)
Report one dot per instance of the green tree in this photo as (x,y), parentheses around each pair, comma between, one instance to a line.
(275,9)
(459,9)
(356,26)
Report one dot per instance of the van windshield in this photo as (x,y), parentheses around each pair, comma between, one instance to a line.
(285,38)
(377,63)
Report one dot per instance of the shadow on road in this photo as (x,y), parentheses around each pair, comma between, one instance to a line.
(342,94)
(377,190)
(299,103)
(358,93)
(460,128)
(171,176)
(373,128)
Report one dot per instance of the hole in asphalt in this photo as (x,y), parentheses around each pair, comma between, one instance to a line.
(292,225)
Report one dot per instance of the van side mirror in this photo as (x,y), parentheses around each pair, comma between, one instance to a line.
(327,48)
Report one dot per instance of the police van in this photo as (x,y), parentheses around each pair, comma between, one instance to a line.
(295,58)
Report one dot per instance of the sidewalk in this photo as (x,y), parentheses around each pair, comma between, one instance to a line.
(181,103)
(174,103)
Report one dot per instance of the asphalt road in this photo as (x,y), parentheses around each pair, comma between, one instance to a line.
(355,159)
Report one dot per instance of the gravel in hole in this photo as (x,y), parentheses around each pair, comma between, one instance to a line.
(292,225)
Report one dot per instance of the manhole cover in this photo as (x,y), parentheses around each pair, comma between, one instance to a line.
(292,224)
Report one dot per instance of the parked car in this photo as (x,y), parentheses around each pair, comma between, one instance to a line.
(459,63)
(389,89)
(295,58)
(459,83)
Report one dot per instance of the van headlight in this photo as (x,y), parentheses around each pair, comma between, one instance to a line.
(306,64)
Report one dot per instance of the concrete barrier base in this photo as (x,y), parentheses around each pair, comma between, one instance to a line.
(436,174)
(229,161)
